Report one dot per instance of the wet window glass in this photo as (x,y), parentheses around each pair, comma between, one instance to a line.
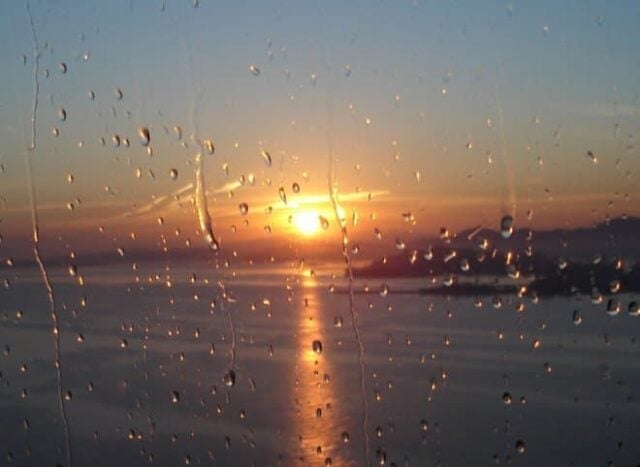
(319,233)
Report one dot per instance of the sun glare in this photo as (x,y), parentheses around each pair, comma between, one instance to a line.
(307,222)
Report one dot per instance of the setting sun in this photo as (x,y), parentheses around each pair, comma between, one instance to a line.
(307,222)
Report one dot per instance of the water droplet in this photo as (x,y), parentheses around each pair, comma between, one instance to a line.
(62,114)
(634,309)
(70,178)
(63,68)
(614,286)
(175,397)
(345,437)
(520,446)
(173,173)
(324,223)
(295,187)
(282,194)
(208,146)
(506,398)
(229,378)
(592,157)
(577,317)
(317,346)
(613,307)
(73,270)
(244,208)
(428,254)
(178,132)
(145,136)
(267,157)
(117,92)
(506,226)
(255,71)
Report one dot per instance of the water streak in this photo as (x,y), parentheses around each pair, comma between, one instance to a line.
(36,238)
(202,207)
(352,309)
(204,218)
(36,77)
(232,328)
(506,159)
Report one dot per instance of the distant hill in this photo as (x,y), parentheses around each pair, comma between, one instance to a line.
(601,259)
(619,237)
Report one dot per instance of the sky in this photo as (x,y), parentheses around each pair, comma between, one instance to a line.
(418,114)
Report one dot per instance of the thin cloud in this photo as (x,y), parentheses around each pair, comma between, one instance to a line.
(159,201)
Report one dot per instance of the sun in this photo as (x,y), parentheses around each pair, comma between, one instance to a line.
(306,222)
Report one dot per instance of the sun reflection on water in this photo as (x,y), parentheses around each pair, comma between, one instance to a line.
(316,418)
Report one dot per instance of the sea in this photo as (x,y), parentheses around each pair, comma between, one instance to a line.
(279,365)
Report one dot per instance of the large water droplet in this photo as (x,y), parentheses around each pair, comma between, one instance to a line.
(208,146)
(317,346)
(267,157)
(506,226)
(577,317)
(145,136)
(613,307)
(282,194)
(229,378)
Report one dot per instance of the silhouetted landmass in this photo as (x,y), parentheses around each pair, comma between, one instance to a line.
(482,252)
(601,279)
(618,236)
(580,278)
(453,290)
(446,260)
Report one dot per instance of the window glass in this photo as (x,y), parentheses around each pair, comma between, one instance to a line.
(319,233)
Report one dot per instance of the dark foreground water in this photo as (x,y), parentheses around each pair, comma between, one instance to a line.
(447,381)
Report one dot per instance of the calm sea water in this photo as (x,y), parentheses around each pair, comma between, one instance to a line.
(144,364)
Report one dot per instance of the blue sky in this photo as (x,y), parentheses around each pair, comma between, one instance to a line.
(495,104)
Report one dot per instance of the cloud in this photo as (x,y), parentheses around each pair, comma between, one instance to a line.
(159,201)
(172,199)
(325,199)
